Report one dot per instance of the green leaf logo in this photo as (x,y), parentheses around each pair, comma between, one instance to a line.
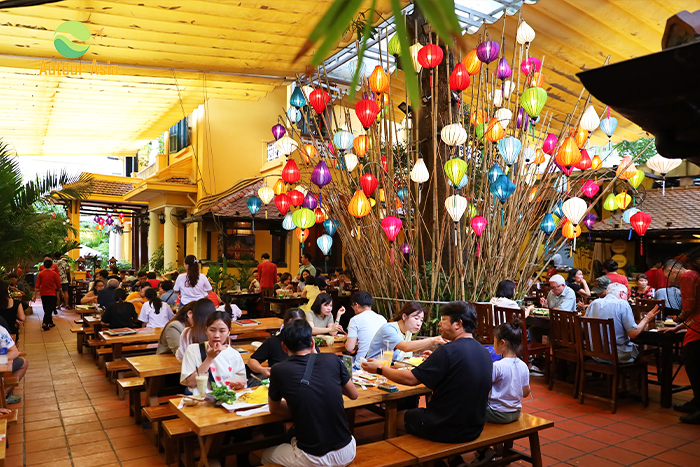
(64,45)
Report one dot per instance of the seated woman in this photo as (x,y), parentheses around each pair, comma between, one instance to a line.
(11,310)
(197,331)
(577,283)
(271,350)
(154,312)
(91,296)
(229,307)
(320,316)
(302,283)
(166,292)
(312,287)
(285,282)
(505,291)
(397,334)
(120,314)
(214,357)
(170,337)
(642,289)
(19,365)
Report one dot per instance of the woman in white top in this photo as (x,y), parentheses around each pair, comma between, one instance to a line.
(193,285)
(504,297)
(229,307)
(222,363)
(197,332)
(154,312)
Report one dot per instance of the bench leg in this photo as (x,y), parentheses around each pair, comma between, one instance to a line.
(390,419)
(535,451)
(81,342)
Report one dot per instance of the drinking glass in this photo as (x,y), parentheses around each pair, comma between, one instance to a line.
(659,324)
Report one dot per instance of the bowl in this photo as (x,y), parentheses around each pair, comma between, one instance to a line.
(255,345)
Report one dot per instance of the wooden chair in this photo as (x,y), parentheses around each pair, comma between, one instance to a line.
(484,322)
(645,305)
(528,349)
(562,338)
(596,339)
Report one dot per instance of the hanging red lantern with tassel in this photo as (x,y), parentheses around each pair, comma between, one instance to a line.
(366,111)
(459,79)
(283,202)
(319,99)
(585,162)
(290,172)
(296,197)
(320,216)
(369,183)
(640,223)
(392,227)
(478,224)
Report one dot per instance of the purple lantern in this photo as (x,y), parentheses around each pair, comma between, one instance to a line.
(321,176)
(109,220)
(405,248)
(519,120)
(589,219)
(310,201)
(278,131)
(504,70)
(487,51)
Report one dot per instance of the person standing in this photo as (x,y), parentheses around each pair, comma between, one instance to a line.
(310,386)
(610,267)
(193,285)
(306,266)
(64,275)
(47,283)
(656,278)
(267,275)
(689,319)
(363,326)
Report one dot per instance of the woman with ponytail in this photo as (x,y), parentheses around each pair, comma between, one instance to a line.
(193,285)
(154,312)
(233,311)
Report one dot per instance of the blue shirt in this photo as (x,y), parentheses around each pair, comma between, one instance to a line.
(621,313)
(388,337)
(566,301)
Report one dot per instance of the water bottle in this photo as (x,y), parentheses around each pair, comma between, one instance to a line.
(3,352)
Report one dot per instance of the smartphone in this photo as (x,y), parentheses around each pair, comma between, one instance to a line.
(347,361)
(388,387)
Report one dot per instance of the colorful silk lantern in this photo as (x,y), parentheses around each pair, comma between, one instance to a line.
(509,148)
(290,172)
(494,172)
(321,176)
(663,165)
(459,78)
(297,99)
(626,169)
(533,194)
(558,209)
(590,188)
(100,226)
(480,130)
(308,152)
(533,100)
(293,114)
(548,224)
(589,220)
(640,223)
(392,227)
(378,80)
(623,200)
(324,242)
(530,65)
(529,155)
(585,163)
(369,183)
(610,204)
(456,205)
(254,204)
(403,193)
(319,99)
(279,188)
(320,215)
(478,224)
(343,140)
(310,201)
(570,230)
(304,218)
(503,71)
(350,161)
(430,56)
(568,154)
(453,134)
(283,202)
(366,111)
(405,248)
(627,215)
(286,145)
(608,125)
(359,205)
(487,51)
(539,157)
(637,179)
(331,226)
(288,222)
(463,182)
(596,162)
(361,144)
(419,172)
(278,131)
(266,194)
(525,33)
(455,169)
(580,136)
(296,197)
(472,63)
(574,209)
(549,143)
(503,116)
(415,50)
(478,117)
(495,131)
(302,235)
(502,188)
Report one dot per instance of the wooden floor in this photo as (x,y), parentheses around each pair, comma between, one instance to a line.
(71,416)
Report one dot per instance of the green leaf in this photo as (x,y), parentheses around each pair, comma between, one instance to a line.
(409,72)
(361,52)
(434,15)
(335,31)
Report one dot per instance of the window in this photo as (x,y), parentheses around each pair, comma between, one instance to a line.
(179,136)
(279,248)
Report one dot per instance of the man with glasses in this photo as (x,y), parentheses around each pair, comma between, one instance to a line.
(561,296)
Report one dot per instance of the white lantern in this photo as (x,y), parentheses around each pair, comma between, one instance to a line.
(509,148)
(525,34)
(507,88)
(307,90)
(503,116)
(293,114)
(301,189)
(456,205)
(453,135)
(627,215)
(590,120)
(529,155)
(496,97)
(266,194)
(287,222)
(574,209)
(414,49)
(419,173)
(350,161)
(286,145)
(659,163)
(325,242)
(343,140)
(352,67)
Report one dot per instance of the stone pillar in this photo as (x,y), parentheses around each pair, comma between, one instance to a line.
(126,241)
(118,246)
(153,235)
(112,249)
(170,238)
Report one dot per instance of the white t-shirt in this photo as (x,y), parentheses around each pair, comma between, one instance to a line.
(148,315)
(6,338)
(191,294)
(237,313)
(364,326)
(228,364)
(509,377)
(504,302)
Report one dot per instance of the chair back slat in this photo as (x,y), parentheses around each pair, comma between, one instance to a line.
(562,332)
(484,322)
(507,315)
(597,338)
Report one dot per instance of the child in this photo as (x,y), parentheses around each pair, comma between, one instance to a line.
(510,381)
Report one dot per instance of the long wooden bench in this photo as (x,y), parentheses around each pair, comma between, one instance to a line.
(104,354)
(379,454)
(179,438)
(157,415)
(131,389)
(10,418)
(3,441)
(426,451)
(81,333)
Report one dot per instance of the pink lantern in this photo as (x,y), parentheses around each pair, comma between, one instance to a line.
(550,142)
(478,224)
(590,188)
(392,227)
(530,65)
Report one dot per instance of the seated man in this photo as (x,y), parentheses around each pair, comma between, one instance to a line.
(105,297)
(459,373)
(561,296)
(363,326)
(19,365)
(615,305)
(312,385)
(671,297)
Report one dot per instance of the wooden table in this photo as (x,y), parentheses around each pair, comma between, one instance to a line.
(266,324)
(141,336)
(286,303)
(5,369)
(244,296)
(665,341)
(210,423)
(153,369)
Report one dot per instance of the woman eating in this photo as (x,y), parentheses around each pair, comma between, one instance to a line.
(642,289)
(91,296)
(170,337)
(11,310)
(505,291)
(397,334)
(154,312)
(320,316)
(193,285)
(197,332)
(577,283)
(214,357)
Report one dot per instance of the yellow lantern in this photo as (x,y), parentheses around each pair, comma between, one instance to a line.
(637,179)
(280,187)
(570,231)
(610,203)
(308,152)
(596,163)
(382,197)
(266,194)
(359,205)
(623,200)
(382,100)
(539,156)
(495,130)
(472,63)
(581,137)
(378,80)
(626,169)
(372,202)
(361,145)
(568,154)
(478,117)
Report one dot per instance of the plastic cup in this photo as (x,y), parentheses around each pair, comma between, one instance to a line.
(202,381)
(659,324)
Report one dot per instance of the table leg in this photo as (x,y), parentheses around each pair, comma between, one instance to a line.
(81,341)
(390,419)
(209,445)
(666,376)
(117,351)
(535,452)
(153,385)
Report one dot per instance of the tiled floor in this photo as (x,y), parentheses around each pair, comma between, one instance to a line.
(71,416)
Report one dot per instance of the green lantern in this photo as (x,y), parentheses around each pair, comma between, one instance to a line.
(394,46)
(455,169)
(304,218)
(533,100)
(610,203)
(480,130)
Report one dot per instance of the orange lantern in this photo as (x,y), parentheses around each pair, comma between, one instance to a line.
(538,79)
(596,163)
(398,203)
(302,235)
(320,217)
(626,169)
(570,231)
(581,137)
(472,63)
(495,131)
(478,117)
(378,80)
(280,187)
(539,156)
(533,193)
(382,198)
(382,100)
(568,154)
(359,205)
(361,145)
(308,152)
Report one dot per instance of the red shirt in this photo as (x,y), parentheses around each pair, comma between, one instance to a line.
(154,283)
(267,274)
(47,281)
(657,280)
(214,298)
(690,297)
(620,279)
(54,268)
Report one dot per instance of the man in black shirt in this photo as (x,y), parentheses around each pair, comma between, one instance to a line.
(271,350)
(105,297)
(459,373)
(312,386)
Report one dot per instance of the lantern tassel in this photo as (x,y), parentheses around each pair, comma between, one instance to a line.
(392,252)
(265,212)
(477,249)
(629,237)
(641,247)
(455,234)
(574,249)
(253,224)
(663,186)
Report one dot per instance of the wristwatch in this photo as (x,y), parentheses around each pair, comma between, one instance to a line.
(379,370)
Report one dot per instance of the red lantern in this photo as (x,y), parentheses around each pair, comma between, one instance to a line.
(319,99)
(369,183)
(567,170)
(296,197)
(320,217)
(640,223)
(392,227)
(384,163)
(478,224)
(282,202)
(366,111)
(290,173)
(430,56)
(459,79)
(585,162)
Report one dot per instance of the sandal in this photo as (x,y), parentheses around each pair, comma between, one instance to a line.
(45,327)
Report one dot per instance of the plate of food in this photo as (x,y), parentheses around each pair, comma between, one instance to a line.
(247,399)
(540,312)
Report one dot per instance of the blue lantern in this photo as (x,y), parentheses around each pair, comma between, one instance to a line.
(608,125)
(343,140)
(403,194)
(297,100)
(558,209)
(325,242)
(548,225)
(502,188)
(254,204)
(494,172)
(509,148)
(331,226)
(293,114)
(462,183)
